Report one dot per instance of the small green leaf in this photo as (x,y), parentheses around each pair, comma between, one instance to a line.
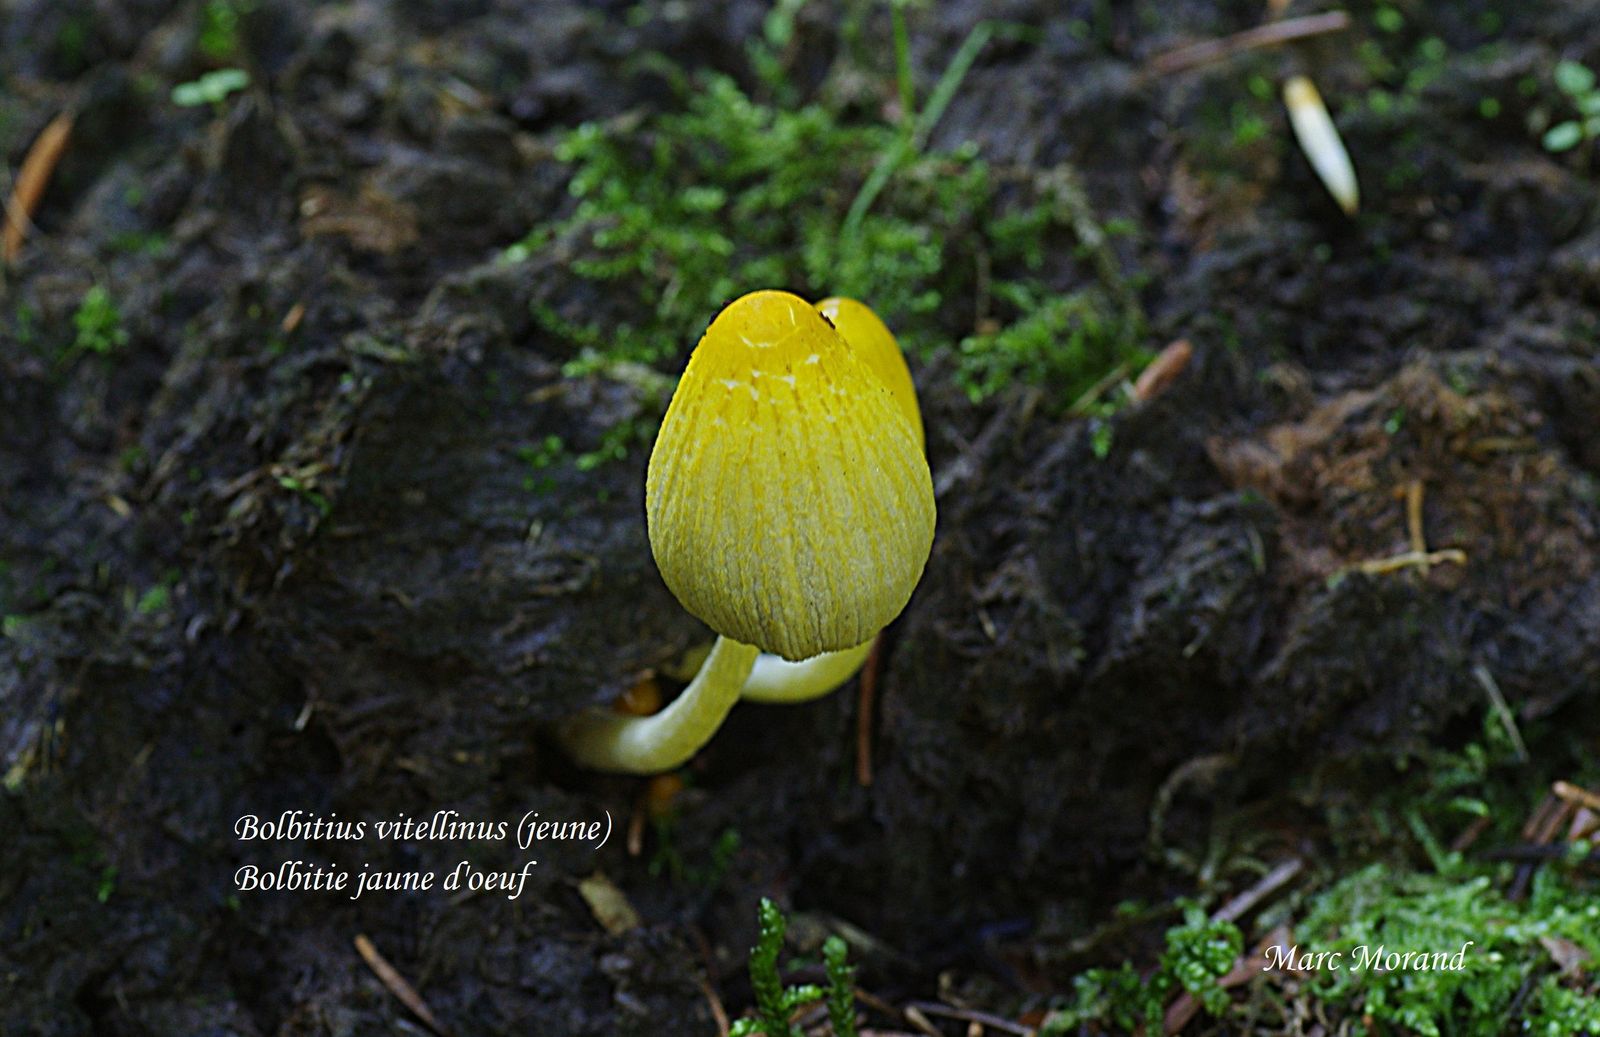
(1100,441)
(211,88)
(155,599)
(1573,78)
(1563,136)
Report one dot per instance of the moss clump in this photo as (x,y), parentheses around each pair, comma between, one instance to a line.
(1533,964)
(1508,971)
(682,213)
(1199,953)
(776,1003)
(98,324)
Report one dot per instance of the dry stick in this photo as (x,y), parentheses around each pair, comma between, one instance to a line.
(1265,886)
(32,179)
(1081,406)
(1575,795)
(1541,830)
(1560,813)
(1501,710)
(914,1016)
(1408,559)
(1163,370)
(718,1013)
(1540,819)
(1585,823)
(1533,855)
(708,963)
(865,704)
(1182,1011)
(967,1015)
(878,1004)
(635,839)
(396,984)
(1419,543)
(1272,34)
(1471,833)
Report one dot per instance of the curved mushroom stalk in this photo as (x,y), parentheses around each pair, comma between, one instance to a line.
(776,679)
(610,741)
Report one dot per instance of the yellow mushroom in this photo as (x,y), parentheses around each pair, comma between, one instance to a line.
(874,345)
(789,506)
(773,678)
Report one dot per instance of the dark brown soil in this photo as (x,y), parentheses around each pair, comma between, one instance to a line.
(249,570)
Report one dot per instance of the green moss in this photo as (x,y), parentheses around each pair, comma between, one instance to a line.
(1381,908)
(219,37)
(1531,966)
(680,215)
(775,1003)
(1067,340)
(98,323)
(1199,952)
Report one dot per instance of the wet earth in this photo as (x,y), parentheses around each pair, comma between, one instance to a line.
(272,550)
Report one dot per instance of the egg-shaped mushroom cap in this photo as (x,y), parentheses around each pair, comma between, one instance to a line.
(789,503)
(874,345)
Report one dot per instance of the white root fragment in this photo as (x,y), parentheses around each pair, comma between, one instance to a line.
(1319,139)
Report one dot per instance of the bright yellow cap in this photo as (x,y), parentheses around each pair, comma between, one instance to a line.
(789,504)
(874,345)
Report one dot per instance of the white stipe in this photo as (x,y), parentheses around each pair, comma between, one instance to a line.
(1319,139)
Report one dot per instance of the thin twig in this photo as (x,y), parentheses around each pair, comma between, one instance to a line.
(866,702)
(1469,835)
(1576,795)
(1409,559)
(1541,830)
(878,1004)
(967,1015)
(32,179)
(1273,34)
(1267,885)
(718,1013)
(915,1017)
(1537,854)
(1419,543)
(1163,370)
(397,985)
(1502,711)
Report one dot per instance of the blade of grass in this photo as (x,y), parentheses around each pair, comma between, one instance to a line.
(902,66)
(943,93)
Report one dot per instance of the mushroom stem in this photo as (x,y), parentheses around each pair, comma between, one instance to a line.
(649,745)
(1320,140)
(776,679)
